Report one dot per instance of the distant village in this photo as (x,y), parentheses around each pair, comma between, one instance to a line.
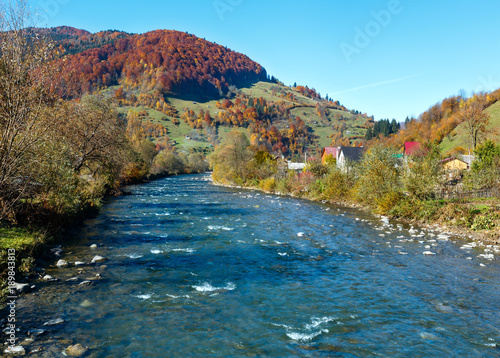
(344,157)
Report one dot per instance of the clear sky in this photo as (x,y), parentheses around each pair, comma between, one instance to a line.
(388,58)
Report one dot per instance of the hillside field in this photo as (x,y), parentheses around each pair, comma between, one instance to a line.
(458,137)
(323,128)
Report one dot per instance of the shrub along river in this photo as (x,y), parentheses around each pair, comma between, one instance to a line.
(196,270)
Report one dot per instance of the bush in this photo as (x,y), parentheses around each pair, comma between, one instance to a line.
(283,186)
(336,184)
(388,201)
(379,177)
(316,168)
(167,162)
(482,222)
(268,184)
(197,164)
(486,168)
(422,176)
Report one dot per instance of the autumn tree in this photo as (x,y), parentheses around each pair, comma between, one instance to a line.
(25,95)
(168,162)
(423,174)
(474,119)
(485,171)
(197,164)
(230,159)
(95,134)
(379,182)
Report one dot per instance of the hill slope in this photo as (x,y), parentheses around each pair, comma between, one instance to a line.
(458,137)
(190,92)
(168,61)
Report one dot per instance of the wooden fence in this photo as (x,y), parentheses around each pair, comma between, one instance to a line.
(484,193)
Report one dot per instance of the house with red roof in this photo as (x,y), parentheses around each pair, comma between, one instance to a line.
(412,148)
(327,151)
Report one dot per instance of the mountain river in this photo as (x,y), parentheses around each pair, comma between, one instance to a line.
(196,270)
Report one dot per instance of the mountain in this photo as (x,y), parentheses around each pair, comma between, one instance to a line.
(171,62)
(190,91)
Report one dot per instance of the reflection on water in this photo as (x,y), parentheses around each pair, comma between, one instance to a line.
(197,270)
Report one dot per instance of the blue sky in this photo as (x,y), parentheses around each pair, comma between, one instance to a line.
(388,58)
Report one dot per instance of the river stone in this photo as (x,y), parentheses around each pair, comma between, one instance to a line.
(56,251)
(86,304)
(48,278)
(429,336)
(53,322)
(22,287)
(15,350)
(37,332)
(98,258)
(83,283)
(79,263)
(93,246)
(76,350)
(27,341)
(62,263)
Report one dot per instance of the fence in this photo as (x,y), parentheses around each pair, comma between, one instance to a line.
(484,193)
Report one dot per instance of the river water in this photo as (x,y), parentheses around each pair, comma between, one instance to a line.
(195,270)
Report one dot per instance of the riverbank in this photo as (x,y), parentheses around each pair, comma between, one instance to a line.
(446,215)
(196,255)
(27,244)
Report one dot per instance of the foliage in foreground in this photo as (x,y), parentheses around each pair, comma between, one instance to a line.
(58,158)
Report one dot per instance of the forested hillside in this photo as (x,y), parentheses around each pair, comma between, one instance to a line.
(455,125)
(187,92)
(170,62)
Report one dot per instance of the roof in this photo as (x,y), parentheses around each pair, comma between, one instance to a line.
(412,148)
(330,150)
(296,166)
(353,154)
(468,159)
(452,159)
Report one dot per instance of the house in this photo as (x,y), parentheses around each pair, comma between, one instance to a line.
(296,166)
(412,148)
(454,164)
(468,159)
(348,155)
(333,151)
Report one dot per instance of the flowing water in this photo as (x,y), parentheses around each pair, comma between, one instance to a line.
(195,270)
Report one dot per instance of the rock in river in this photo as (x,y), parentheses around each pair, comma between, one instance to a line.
(22,287)
(15,350)
(76,350)
(98,258)
(62,263)
(37,332)
(53,322)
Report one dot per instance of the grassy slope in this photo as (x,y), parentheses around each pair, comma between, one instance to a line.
(458,138)
(322,129)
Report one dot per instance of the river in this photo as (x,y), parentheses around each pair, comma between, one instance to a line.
(196,270)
